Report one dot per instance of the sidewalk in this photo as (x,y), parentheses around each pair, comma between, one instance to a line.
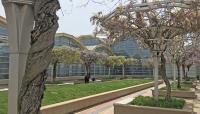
(197,101)
(107,108)
(3,87)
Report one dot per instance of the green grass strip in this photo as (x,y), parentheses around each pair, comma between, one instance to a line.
(56,94)
(185,86)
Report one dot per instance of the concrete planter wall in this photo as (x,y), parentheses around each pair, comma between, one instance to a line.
(133,109)
(81,103)
(181,94)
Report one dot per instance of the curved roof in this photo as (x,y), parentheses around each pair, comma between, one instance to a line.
(97,48)
(3,22)
(3,30)
(84,37)
(104,48)
(72,38)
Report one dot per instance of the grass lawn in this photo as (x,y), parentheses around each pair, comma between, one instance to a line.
(185,86)
(3,102)
(56,94)
(161,102)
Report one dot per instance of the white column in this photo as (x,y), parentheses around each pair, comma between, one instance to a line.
(181,73)
(19,15)
(155,59)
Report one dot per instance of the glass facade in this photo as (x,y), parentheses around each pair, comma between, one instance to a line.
(90,41)
(129,47)
(60,41)
(4,54)
(4,61)
(3,32)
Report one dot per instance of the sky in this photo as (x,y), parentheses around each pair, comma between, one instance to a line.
(74,17)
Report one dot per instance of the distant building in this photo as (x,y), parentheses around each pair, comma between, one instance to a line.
(127,47)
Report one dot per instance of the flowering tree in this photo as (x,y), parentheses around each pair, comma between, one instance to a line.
(128,61)
(56,57)
(109,62)
(193,56)
(89,57)
(64,54)
(121,60)
(191,52)
(152,25)
(177,50)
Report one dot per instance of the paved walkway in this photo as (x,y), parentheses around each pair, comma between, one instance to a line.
(197,101)
(107,108)
(3,87)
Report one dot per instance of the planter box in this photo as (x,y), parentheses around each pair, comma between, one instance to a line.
(181,94)
(81,103)
(134,109)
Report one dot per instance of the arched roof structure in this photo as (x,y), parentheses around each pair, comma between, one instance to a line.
(3,30)
(86,37)
(3,22)
(103,48)
(72,38)
(99,46)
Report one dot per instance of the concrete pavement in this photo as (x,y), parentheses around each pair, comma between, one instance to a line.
(107,107)
(3,87)
(197,101)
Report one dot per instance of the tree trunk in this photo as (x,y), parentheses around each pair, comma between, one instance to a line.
(39,56)
(70,70)
(164,77)
(188,69)
(104,70)
(109,71)
(179,77)
(123,71)
(87,76)
(155,72)
(174,72)
(94,70)
(184,73)
(54,70)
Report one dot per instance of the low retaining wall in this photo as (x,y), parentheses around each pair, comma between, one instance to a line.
(181,94)
(133,109)
(3,81)
(81,103)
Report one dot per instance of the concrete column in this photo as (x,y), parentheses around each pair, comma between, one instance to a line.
(19,15)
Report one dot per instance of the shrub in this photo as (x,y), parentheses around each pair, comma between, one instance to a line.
(185,86)
(150,101)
